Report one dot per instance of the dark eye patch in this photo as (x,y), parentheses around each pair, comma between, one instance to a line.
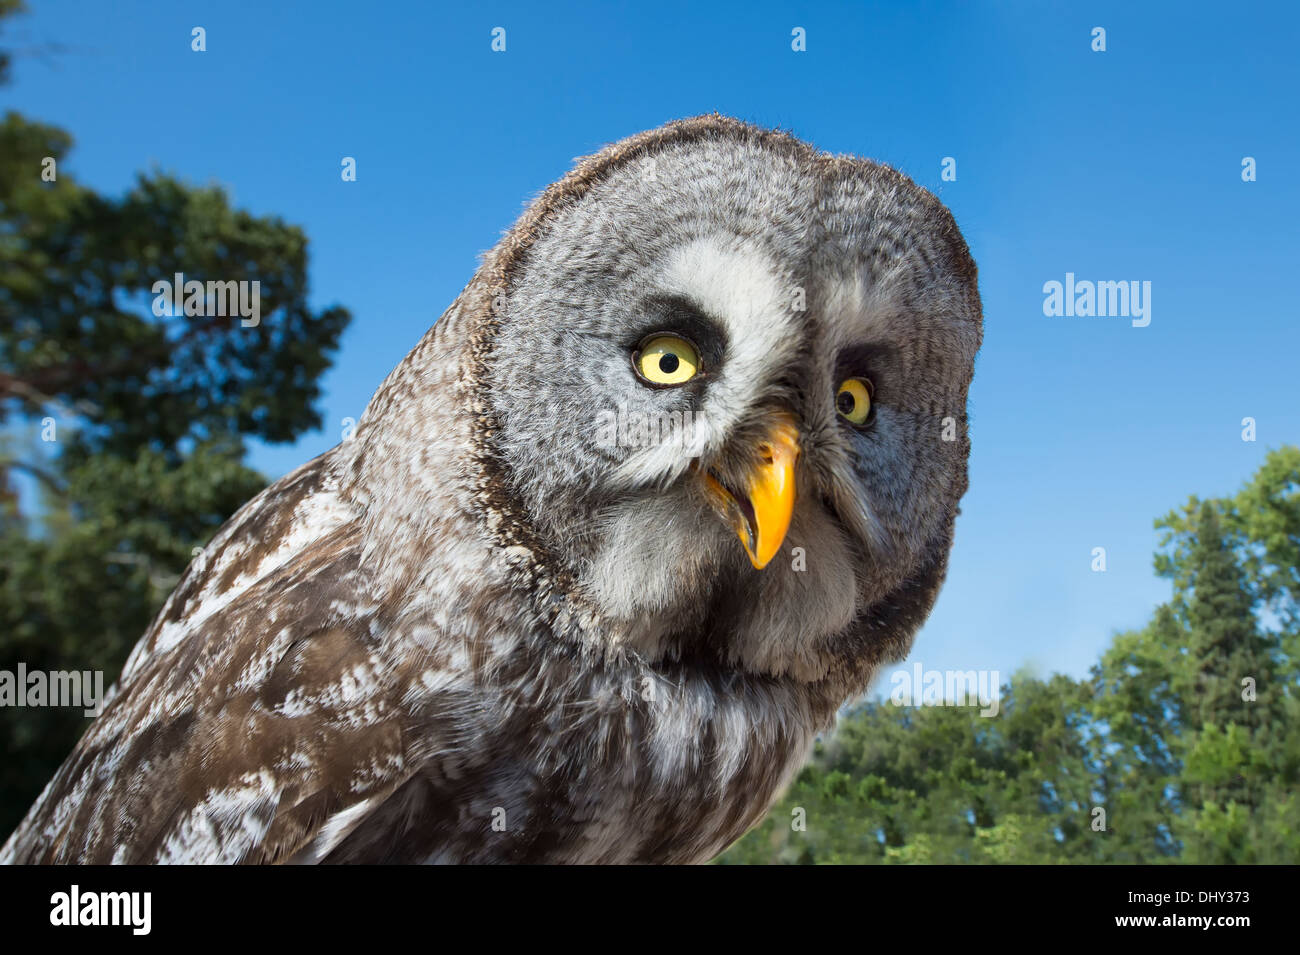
(679,316)
(871,362)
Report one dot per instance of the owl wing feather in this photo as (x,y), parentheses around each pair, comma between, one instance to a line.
(254,719)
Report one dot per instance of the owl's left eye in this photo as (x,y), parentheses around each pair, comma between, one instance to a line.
(666,360)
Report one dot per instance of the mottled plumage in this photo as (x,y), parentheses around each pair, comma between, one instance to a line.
(474,633)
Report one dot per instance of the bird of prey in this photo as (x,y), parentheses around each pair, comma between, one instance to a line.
(671,478)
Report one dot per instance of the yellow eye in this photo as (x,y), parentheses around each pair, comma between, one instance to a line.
(667,360)
(853,400)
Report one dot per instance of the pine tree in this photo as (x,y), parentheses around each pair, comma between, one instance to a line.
(1224,643)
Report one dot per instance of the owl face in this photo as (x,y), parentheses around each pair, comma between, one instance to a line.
(729,383)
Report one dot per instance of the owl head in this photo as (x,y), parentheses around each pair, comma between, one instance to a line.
(721,379)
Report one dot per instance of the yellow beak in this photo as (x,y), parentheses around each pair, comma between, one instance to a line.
(761,513)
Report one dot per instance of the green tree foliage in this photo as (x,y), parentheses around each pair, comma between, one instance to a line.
(1233,562)
(1183,735)
(7,9)
(122,433)
(78,329)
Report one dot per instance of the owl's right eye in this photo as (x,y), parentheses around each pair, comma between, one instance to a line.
(853,400)
(666,360)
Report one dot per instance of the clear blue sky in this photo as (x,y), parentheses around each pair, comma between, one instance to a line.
(1117,165)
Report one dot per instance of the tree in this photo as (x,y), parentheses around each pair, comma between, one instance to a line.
(1229,559)
(941,784)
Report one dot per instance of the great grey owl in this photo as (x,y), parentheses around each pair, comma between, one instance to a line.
(669,480)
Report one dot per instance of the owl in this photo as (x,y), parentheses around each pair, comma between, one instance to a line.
(669,481)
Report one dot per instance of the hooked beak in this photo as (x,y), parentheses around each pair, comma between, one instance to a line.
(760,511)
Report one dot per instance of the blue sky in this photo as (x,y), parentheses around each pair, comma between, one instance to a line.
(1122,165)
